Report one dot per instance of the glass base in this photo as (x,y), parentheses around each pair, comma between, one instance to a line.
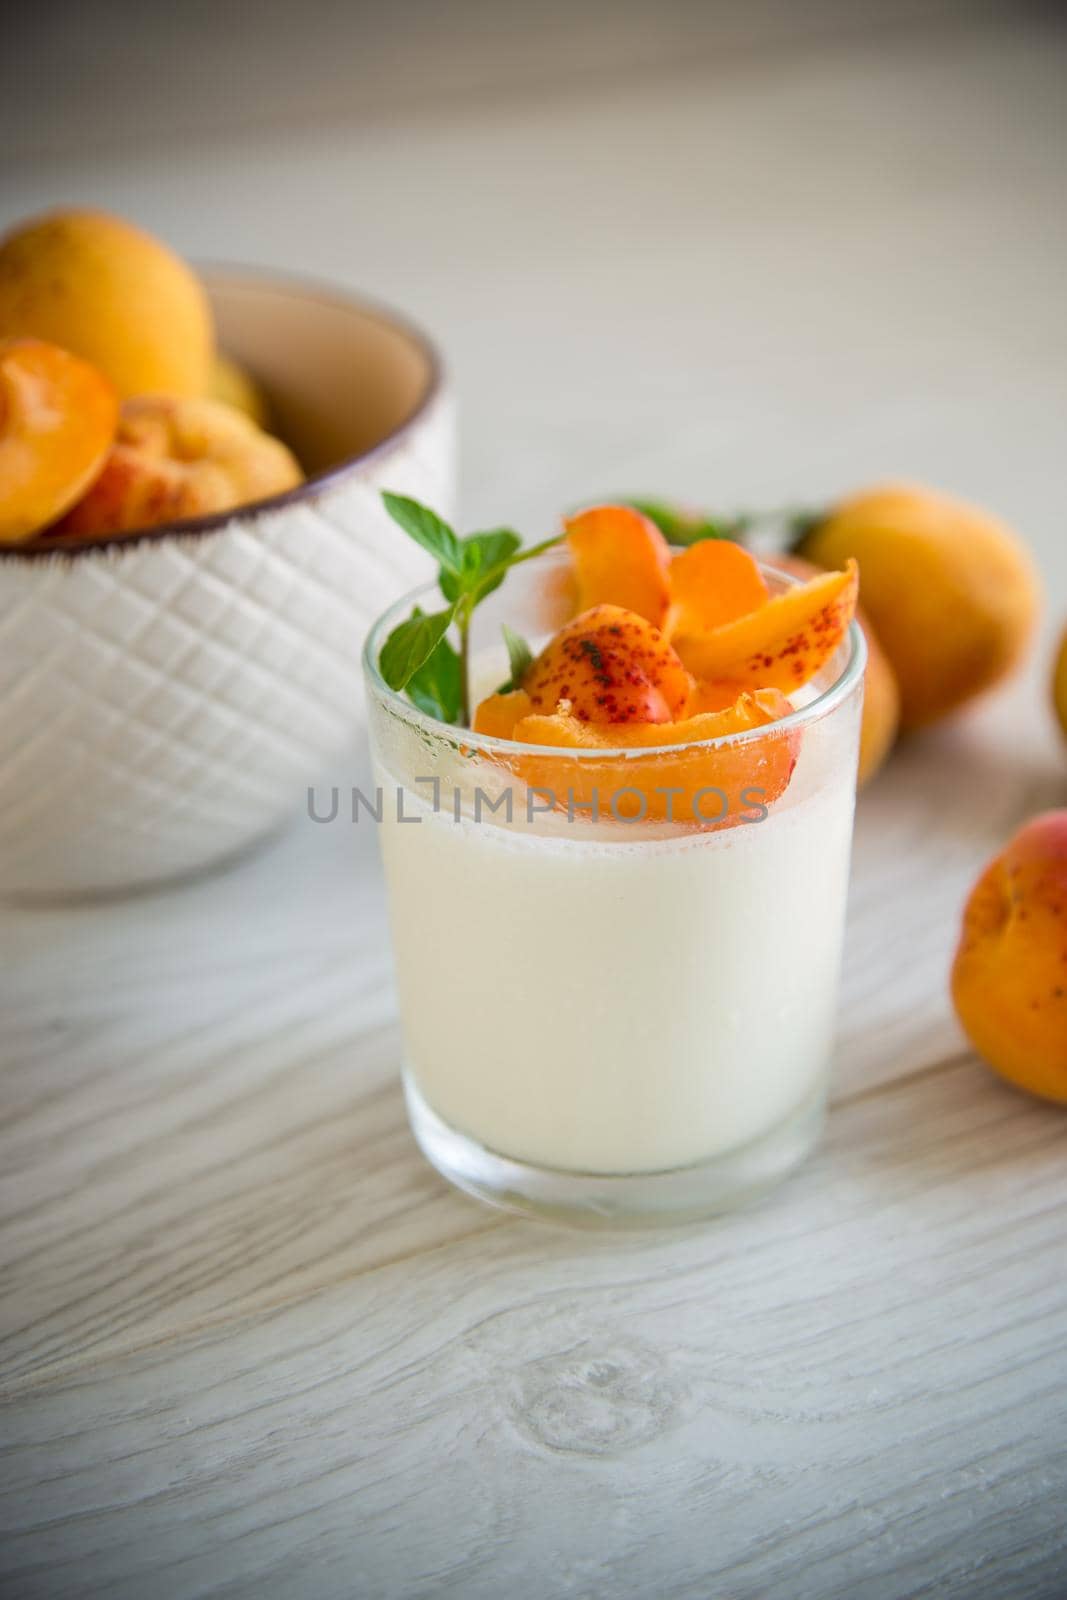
(641,1200)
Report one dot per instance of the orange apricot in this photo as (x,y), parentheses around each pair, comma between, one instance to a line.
(231,383)
(497,714)
(881,696)
(714,695)
(784,643)
(712,583)
(112,294)
(176,458)
(57,421)
(620,559)
(953,592)
(613,667)
(1009,977)
(708,788)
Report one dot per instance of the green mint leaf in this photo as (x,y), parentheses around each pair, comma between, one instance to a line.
(437,686)
(520,659)
(482,553)
(410,646)
(494,547)
(427,529)
(681,525)
(417,656)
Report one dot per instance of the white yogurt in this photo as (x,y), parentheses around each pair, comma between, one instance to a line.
(619,1007)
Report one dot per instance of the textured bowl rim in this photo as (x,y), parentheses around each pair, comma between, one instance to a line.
(41,547)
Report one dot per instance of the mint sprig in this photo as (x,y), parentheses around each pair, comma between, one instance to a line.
(418,656)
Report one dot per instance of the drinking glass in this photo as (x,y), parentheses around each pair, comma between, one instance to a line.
(617,969)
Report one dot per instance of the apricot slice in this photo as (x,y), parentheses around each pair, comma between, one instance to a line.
(620,559)
(613,667)
(881,696)
(497,715)
(705,788)
(57,421)
(783,644)
(713,696)
(712,583)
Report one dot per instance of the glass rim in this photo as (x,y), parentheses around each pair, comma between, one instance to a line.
(492,745)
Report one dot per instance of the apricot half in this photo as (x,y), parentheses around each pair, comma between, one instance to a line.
(703,787)
(620,559)
(784,643)
(175,459)
(613,667)
(57,421)
(1009,977)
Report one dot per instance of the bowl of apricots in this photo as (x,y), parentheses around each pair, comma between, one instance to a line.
(192,544)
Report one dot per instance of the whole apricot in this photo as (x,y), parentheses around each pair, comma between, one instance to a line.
(952,592)
(57,422)
(234,386)
(173,459)
(112,294)
(1059,683)
(881,697)
(1009,978)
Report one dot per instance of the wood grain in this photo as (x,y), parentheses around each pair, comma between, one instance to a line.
(249,1345)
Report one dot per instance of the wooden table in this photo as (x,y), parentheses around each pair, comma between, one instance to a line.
(250,1344)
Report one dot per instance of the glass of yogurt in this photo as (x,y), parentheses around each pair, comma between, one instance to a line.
(612,1012)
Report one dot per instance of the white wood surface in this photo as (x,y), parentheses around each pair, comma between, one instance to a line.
(249,1345)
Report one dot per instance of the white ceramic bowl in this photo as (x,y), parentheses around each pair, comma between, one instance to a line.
(166,699)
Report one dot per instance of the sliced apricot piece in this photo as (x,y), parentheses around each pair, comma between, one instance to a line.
(620,559)
(706,788)
(57,421)
(712,583)
(613,667)
(497,714)
(715,695)
(783,644)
